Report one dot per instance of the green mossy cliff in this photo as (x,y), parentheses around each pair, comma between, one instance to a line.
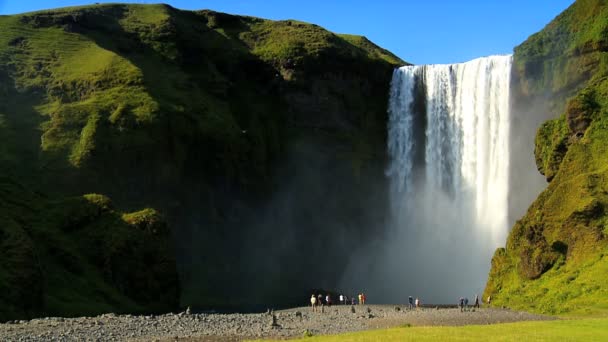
(556,257)
(205,117)
(79,256)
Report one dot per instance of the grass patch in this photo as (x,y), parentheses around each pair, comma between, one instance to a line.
(561,330)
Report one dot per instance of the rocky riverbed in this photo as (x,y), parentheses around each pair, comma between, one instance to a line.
(236,327)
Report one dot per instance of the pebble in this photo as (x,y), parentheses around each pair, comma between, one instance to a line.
(279,324)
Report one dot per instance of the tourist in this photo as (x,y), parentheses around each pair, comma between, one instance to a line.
(359,299)
(410,301)
(341,300)
(352,300)
(320,300)
(466,304)
(476,305)
(461,304)
(363,298)
(417,302)
(313,302)
(489,300)
(328,300)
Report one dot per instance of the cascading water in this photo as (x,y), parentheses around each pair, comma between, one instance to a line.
(467,132)
(448,140)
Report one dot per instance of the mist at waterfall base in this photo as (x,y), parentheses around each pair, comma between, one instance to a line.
(448,141)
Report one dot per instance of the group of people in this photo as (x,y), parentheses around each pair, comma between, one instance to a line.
(463,303)
(411,303)
(319,300)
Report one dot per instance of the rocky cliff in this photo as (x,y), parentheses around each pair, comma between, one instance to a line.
(79,255)
(259,142)
(556,257)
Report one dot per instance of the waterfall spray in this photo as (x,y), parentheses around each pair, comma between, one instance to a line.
(448,143)
(466,145)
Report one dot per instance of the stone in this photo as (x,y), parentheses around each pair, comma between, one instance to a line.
(273,322)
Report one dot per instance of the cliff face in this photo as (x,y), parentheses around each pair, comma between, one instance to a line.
(256,140)
(79,256)
(556,257)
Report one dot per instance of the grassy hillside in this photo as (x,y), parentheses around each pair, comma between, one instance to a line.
(556,258)
(106,78)
(79,256)
(205,117)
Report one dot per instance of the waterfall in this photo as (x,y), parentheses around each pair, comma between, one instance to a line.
(466,151)
(448,143)
(400,137)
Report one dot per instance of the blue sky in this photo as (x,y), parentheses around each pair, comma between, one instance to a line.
(421,32)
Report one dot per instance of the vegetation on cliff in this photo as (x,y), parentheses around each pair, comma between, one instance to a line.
(556,257)
(203,116)
(79,256)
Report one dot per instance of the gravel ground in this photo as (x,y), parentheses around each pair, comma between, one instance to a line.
(236,327)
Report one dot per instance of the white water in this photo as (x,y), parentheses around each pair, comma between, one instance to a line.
(449,205)
(400,140)
(467,136)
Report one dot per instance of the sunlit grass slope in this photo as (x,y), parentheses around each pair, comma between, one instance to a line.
(103,78)
(556,257)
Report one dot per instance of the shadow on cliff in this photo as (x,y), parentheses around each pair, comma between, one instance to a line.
(268,208)
(19,129)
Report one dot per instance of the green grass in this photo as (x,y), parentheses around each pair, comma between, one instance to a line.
(372,50)
(561,56)
(587,330)
(562,238)
(280,41)
(116,80)
(554,261)
(572,289)
(77,256)
(149,104)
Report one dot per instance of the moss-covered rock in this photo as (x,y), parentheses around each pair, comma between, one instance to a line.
(205,117)
(21,278)
(551,145)
(554,261)
(77,256)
